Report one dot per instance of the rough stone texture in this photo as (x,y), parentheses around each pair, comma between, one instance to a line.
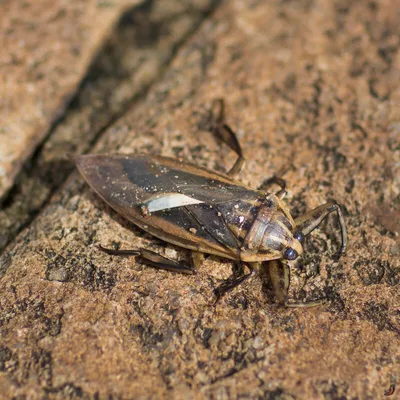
(312,88)
(138,51)
(46,47)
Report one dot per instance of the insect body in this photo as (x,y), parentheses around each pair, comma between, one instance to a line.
(204,211)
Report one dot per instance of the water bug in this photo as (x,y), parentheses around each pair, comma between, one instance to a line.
(206,211)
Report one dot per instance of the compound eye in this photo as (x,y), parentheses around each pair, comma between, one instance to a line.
(290,254)
(299,235)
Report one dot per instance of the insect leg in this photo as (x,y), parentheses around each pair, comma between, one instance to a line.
(197,259)
(390,391)
(309,221)
(275,180)
(279,274)
(114,252)
(231,284)
(223,132)
(153,259)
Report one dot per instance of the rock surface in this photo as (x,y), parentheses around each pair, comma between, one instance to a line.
(137,52)
(46,47)
(312,89)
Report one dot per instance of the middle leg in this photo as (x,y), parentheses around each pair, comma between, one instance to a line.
(309,221)
(277,181)
(231,284)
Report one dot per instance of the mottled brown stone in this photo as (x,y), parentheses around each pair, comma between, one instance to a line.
(46,47)
(312,88)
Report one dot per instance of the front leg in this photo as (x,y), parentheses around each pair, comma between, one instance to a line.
(309,221)
(279,274)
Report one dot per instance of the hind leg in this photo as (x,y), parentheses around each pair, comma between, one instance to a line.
(218,126)
(154,259)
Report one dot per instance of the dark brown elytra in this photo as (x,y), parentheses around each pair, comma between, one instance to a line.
(205,211)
